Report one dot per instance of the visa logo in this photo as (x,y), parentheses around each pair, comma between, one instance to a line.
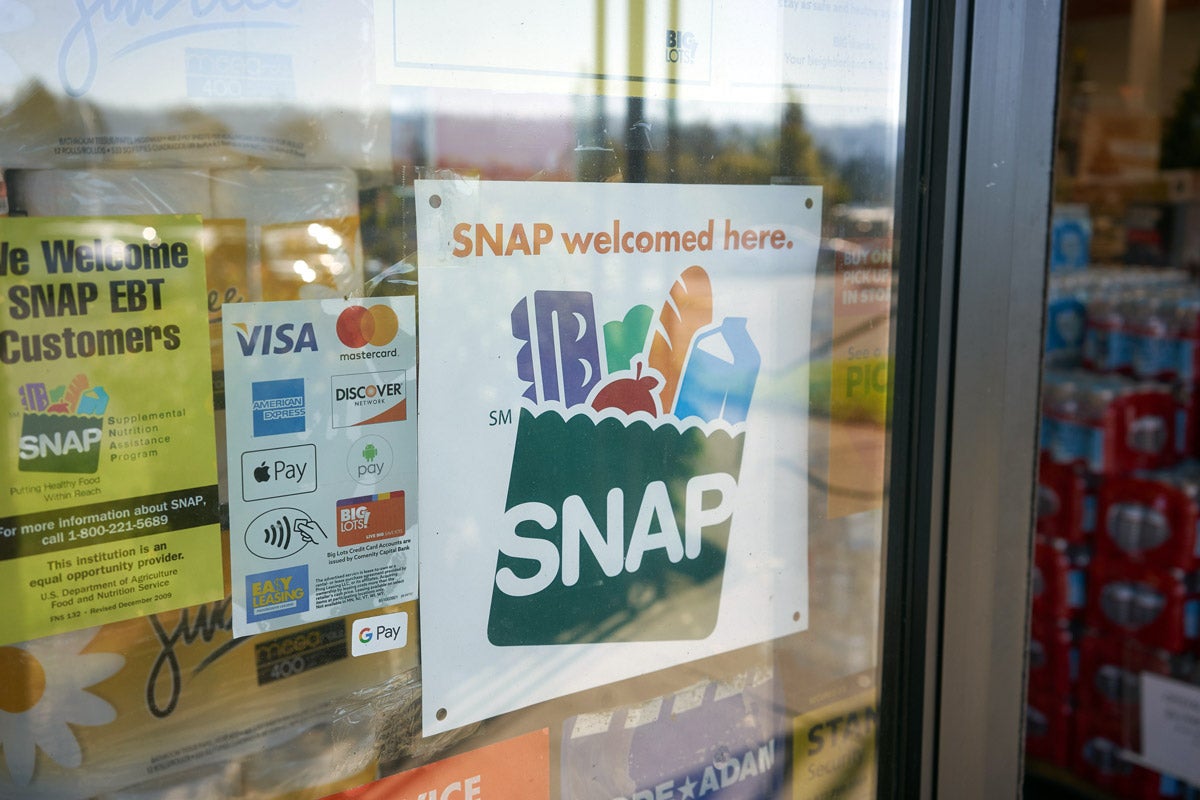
(275,339)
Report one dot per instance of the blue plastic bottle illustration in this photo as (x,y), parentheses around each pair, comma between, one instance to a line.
(718,379)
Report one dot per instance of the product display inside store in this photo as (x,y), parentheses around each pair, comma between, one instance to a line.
(1112,658)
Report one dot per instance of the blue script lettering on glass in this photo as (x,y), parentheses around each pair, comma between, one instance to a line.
(188,17)
(718,378)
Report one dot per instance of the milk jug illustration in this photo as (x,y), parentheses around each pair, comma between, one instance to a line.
(718,379)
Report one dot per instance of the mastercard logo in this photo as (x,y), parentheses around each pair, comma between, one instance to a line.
(359,326)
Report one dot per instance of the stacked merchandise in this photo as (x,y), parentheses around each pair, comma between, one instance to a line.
(1116,580)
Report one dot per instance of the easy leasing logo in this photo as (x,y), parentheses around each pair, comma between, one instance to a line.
(61,427)
(640,514)
(277,593)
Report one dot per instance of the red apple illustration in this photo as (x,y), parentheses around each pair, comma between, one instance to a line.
(630,394)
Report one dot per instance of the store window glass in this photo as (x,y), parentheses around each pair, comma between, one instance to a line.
(1113,634)
(445,400)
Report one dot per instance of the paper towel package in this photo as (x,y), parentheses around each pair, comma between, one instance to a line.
(109,192)
(301,226)
(173,700)
(191,84)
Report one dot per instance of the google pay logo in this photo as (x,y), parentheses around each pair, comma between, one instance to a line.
(380,633)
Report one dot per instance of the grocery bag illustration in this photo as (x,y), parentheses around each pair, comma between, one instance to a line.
(61,427)
(625,468)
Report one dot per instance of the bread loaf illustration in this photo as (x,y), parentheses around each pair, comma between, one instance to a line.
(688,308)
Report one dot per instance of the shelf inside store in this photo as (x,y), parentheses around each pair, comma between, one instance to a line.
(1044,780)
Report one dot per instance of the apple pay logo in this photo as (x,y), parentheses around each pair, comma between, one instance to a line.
(380,633)
(279,472)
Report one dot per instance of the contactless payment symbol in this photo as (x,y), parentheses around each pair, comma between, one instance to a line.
(359,326)
(282,532)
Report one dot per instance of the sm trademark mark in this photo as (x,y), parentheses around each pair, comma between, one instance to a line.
(500,417)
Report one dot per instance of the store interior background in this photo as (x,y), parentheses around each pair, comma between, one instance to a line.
(1123,298)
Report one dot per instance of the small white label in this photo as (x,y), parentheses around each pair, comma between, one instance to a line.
(379,634)
(1171,726)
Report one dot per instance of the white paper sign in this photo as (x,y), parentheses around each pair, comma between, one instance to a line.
(1171,727)
(322,458)
(816,52)
(613,437)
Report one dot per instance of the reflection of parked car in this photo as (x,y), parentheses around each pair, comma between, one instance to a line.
(859,235)
(859,222)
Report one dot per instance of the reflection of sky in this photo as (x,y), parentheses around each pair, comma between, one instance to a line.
(736,57)
(143,55)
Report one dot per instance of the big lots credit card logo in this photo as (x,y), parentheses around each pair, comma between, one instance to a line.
(651,410)
(370,518)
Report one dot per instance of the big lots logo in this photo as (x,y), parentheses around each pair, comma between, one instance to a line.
(370,518)
(625,469)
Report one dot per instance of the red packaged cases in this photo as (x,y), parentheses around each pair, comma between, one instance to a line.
(1053,658)
(1187,421)
(1151,519)
(1098,754)
(1156,608)
(1066,500)
(1048,728)
(1109,674)
(1059,584)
